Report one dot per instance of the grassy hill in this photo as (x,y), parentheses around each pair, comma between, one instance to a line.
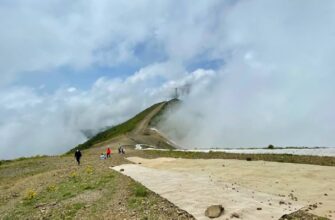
(117,130)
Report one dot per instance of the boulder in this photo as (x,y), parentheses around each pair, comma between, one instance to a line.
(214,211)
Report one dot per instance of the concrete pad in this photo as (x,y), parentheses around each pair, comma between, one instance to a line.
(309,184)
(194,192)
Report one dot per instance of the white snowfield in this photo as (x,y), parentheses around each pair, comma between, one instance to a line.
(242,187)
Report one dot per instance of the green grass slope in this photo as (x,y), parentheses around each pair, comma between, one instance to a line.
(57,188)
(117,130)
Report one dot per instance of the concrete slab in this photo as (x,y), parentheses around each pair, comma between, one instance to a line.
(194,192)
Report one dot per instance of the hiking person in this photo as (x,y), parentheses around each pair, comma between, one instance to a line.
(123,151)
(119,150)
(108,152)
(77,155)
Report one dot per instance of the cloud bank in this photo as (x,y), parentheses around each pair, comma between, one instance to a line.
(276,86)
(272,82)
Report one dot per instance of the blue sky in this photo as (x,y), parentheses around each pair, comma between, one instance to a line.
(70,77)
(83,79)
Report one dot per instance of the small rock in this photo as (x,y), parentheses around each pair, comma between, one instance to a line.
(121,170)
(259,208)
(214,211)
(15,195)
(326,194)
(235,215)
(281,202)
(248,159)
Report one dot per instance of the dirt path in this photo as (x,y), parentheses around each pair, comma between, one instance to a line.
(242,186)
(143,125)
(142,134)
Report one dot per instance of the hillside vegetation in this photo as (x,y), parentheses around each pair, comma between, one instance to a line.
(117,130)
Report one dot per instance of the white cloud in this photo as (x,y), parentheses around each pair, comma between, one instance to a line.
(39,36)
(40,123)
(276,85)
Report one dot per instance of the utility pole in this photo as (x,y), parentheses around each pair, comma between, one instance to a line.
(176,95)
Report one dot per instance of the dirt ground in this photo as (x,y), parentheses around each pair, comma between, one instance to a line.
(242,186)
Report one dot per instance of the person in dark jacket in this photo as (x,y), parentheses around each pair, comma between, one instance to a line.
(77,155)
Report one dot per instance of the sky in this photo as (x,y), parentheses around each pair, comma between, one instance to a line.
(260,72)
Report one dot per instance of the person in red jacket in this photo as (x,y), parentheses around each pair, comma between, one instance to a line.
(108,152)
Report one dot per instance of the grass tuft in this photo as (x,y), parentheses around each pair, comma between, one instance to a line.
(89,169)
(73,175)
(140,191)
(51,188)
(30,194)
